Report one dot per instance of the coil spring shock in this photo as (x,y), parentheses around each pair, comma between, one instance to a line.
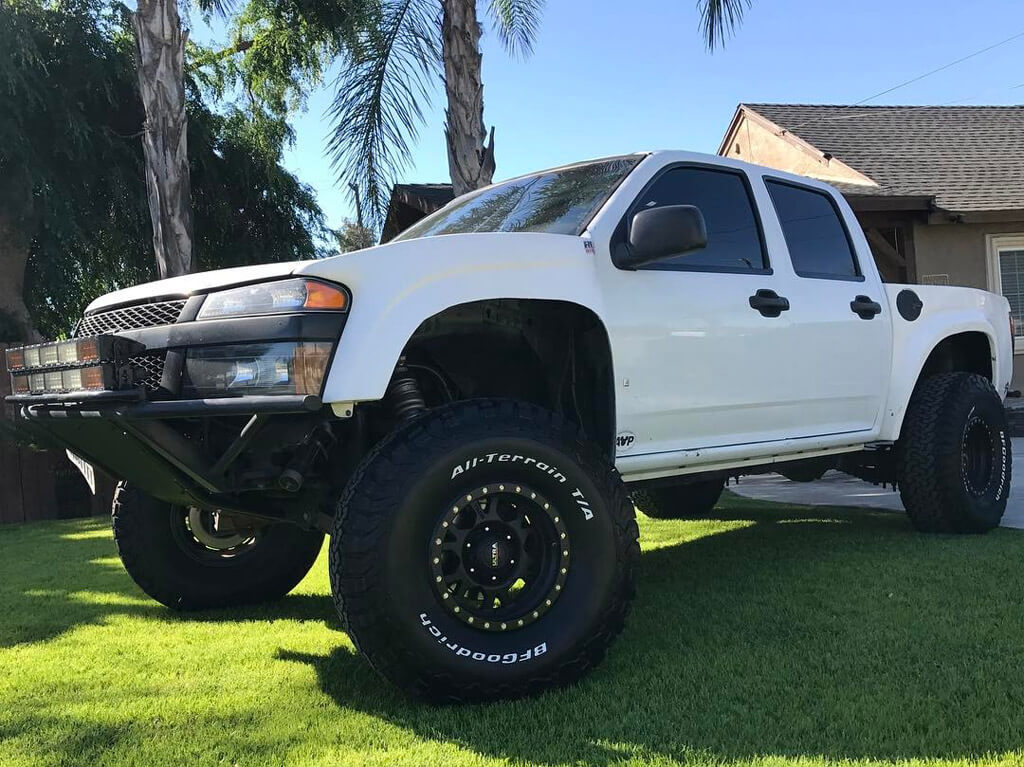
(404,394)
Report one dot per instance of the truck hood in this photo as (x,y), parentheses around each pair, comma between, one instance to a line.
(401,265)
(186,285)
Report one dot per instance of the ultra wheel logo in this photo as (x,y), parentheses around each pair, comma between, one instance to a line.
(461,651)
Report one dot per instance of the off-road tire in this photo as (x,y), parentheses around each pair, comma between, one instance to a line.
(152,553)
(947,412)
(685,501)
(381,556)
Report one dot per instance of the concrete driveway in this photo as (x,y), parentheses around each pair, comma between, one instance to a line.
(835,489)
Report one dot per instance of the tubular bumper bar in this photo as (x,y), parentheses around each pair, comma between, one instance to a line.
(131,439)
(120,407)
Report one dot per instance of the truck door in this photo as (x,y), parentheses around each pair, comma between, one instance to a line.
(704,355)
(838,312)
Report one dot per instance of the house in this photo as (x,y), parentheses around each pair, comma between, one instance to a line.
(411,202)
(939,191)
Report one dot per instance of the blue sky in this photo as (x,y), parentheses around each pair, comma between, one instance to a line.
(610,77)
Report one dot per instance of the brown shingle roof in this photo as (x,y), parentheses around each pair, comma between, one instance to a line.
(968,158)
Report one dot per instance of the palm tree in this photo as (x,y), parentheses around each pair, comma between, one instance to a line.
(392,73)
(160,58)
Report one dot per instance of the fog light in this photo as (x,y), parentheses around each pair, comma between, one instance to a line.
(32,357)
(20,384)
(71,379)
(67,352)
(93,378)
(15,359)
(275,368)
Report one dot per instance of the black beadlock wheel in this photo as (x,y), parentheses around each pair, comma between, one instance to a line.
(183,559)
(683,501)
(485,550)
(954,455)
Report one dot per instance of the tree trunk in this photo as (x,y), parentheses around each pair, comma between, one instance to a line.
(470,155)
(160,50)
(16,226)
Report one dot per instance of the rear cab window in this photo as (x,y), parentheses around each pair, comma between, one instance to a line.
(818,241)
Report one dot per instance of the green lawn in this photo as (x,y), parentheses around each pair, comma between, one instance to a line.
(767,635)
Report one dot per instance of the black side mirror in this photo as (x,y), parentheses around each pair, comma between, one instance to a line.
(660,233)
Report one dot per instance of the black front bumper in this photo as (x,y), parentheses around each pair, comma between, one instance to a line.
(130,441)
(130,434)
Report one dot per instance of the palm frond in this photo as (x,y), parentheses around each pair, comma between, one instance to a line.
(222,8)
(719,19)
(380,96)
(517,23)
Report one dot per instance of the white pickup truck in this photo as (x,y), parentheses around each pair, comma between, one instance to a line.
(472,410)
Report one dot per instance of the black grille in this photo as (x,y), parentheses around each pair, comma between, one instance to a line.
(147,370)
(131,318)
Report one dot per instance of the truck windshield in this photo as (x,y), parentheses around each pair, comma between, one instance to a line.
(560,201)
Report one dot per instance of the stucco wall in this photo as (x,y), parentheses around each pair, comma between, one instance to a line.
(960,251)
(754,142)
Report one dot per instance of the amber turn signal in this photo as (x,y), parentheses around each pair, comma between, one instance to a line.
(321,296)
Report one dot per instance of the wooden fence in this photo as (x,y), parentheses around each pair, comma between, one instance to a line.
(38,483)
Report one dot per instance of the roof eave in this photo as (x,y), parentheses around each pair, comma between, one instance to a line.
(880,202)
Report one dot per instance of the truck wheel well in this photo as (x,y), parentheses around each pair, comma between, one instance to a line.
(555,354)
(964,352)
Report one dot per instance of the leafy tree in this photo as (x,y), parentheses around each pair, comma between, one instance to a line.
(354,236)
(393,69)
(72,161)
(66,104)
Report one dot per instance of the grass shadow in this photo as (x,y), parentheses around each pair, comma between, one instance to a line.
(77,579)
(800,632)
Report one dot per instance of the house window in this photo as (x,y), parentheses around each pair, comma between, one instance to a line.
(1006,276)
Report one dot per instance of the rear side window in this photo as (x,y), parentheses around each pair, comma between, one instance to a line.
(815,234)
(734,236)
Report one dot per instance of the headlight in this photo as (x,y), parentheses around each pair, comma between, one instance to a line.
(267,368)
(274,297)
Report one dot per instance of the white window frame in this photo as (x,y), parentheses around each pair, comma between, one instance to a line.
(996,243)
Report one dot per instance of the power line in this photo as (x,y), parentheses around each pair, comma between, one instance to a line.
(941,69)
(912,81)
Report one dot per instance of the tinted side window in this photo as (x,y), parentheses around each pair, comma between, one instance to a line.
(734,238)
(815,234)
